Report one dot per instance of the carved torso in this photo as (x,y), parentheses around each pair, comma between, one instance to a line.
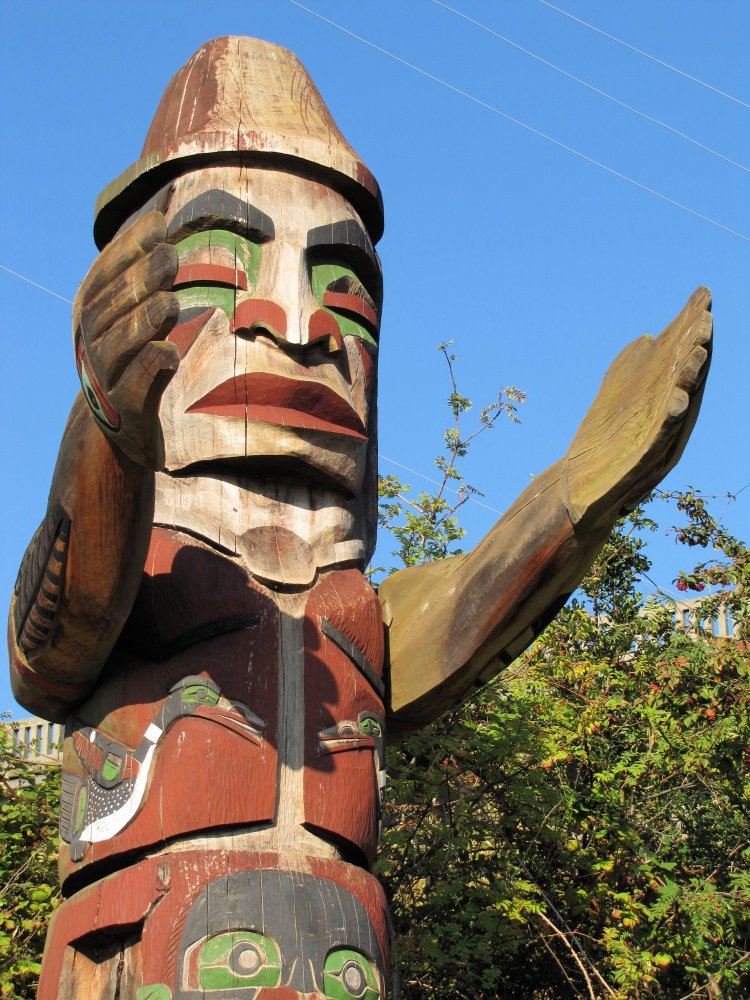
(223,698)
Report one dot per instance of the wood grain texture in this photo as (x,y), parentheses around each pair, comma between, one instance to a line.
(241,97)
(109,501)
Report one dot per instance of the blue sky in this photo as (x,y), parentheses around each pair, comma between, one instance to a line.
(538,265)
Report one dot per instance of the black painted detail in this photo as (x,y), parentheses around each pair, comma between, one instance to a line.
(217,209)
(355,655)
(36,580)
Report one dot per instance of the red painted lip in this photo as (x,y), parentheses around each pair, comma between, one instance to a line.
(287,402)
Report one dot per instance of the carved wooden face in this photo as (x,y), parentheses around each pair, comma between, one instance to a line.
(279,289)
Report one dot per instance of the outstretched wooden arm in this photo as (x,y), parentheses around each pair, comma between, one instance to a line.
(80,574)
(455,624)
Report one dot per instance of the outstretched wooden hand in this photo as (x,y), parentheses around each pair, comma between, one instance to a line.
(122,313)
(641,419)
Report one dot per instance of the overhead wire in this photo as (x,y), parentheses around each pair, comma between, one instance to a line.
(591,87)
(35,284)
(436,482)
(646,55)
(528,128)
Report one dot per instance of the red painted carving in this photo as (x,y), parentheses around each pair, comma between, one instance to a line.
(210,274)
(280,400)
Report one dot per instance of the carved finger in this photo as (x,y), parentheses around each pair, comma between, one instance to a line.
(693,368)
(678,404)
(139,392)
(123,251)
(154,272)
(703,329)
(152,320)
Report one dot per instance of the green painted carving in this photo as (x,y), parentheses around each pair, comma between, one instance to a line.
(81,809)
(239,958)
(111,768)
(247,258)
(348,973)
(370,726)
(324,275)
(206,297)
(199,694)
(157,991)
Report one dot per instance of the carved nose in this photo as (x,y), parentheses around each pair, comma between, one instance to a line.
(259,315)
(262,316)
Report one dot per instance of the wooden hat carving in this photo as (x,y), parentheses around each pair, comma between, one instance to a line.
(240,100)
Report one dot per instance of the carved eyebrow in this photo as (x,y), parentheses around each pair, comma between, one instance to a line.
(351,241)
(346,233)
(217,209)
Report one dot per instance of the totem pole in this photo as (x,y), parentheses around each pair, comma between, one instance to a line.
(194,603)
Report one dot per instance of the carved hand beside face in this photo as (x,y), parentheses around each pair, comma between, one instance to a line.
(641,419)
(122,313)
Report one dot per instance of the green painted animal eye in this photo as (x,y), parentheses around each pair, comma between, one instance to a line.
(370,726)
(348,973)
(238,958)
(199,694)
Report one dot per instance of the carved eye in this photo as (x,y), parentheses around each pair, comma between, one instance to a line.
(370,726)
(98,403)
(348,973)
(230,960)
(198,694)
(338,289)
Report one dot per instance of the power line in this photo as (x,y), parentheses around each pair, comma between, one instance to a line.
(436,482)
(646,55)
(523,125)
(591,87)
(35,284)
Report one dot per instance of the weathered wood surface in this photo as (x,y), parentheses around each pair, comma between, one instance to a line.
(195,602)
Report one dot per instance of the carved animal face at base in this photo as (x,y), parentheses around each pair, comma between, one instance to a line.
(279,289)
(277,935)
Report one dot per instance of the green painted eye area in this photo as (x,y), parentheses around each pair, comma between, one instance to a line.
(342,280)
(239,958)
(370,726)
(245,254)
(198,694)
(348,973)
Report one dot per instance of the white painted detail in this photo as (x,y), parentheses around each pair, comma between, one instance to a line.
(153,734)
(108,826)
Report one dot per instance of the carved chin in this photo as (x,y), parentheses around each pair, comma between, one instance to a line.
(203,439)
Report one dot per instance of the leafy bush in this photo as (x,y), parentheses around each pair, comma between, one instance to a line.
(580,828)
(29,801)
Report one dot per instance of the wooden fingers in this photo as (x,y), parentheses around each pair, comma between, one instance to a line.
(154,272)
(151,320)
(139,392)
(123,251)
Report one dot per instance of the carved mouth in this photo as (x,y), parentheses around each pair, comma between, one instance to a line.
(287,402)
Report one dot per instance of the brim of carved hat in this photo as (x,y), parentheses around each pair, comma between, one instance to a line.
(241,100)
